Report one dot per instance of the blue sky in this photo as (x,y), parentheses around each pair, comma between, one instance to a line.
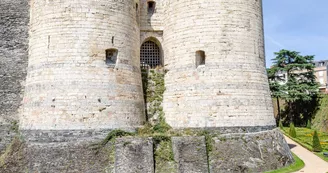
(299,25)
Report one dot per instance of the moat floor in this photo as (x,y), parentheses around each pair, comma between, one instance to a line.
(313,164)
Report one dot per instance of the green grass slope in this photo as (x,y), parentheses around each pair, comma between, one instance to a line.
(320,121)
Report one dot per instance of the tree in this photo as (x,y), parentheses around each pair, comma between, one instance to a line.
(275,88)
(297,86)
(316,142)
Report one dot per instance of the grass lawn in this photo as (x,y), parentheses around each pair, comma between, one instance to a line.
(304,138)
(296,166)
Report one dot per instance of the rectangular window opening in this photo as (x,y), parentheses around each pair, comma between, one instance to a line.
(151,7)
(111,57)
(200,58)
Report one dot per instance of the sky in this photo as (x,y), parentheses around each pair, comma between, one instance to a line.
(298,25)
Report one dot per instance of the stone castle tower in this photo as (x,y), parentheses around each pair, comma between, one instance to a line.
(79,76)
(84,65)
(70,83)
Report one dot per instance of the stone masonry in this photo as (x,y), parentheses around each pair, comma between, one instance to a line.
(231,89)
(69,85)
(14,19)
(70,74)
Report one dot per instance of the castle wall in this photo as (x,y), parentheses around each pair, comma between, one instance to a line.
(231,89)
(152,21)
(69,85)
(14,18)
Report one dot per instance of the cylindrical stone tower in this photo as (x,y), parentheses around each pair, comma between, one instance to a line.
(214,55)
(84,67)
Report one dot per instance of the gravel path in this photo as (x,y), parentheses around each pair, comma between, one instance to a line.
(313,163)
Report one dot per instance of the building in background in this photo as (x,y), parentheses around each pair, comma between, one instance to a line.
(321,74)
(320,71)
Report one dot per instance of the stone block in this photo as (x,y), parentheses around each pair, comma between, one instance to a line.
(249,152)
(190,154)
(134,155)
(69,157)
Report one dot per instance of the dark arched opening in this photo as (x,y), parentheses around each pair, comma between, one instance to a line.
(150,55)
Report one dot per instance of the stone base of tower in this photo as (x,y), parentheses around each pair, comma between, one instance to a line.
(214,153)
(249,152)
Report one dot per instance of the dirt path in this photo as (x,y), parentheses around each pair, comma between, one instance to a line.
(313,164)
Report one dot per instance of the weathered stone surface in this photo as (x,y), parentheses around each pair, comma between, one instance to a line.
(69,85)
(249,152)
(134,155)
(190,154)
(14,18)
(231,89)
(70,157)
(50,136)
(7,133)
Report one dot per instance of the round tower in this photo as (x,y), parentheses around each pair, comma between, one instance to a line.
(84,67)
(214,54)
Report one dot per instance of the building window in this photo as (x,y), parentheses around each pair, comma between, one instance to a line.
(151,7)
(321,80)
(150,55)
(200,58)
(111,57)
(320,73)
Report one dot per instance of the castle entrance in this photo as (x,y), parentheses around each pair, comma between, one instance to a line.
(150,56)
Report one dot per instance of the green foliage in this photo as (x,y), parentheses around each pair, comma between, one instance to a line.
(296,166)
(163,153)
(316,143)
(110,137)
(154,87)
(162,126)
(280,124)
(274,83)
(163,146)
(305,139)
(320,121)
(208,140)
(308,124)
(115,134)
(13,153)
(297,85)
(292,131)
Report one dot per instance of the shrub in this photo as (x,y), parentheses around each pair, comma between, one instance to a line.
(308,124)
(316,143)
(280,125)
(292,131)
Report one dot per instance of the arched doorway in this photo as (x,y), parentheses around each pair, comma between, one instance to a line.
(150,55)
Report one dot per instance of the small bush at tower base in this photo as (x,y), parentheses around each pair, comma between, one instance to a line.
(316,143)
(308,124)
(292,131)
